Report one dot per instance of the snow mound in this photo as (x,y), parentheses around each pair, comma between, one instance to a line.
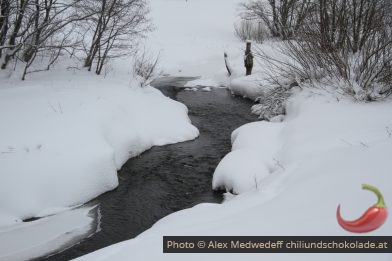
(239,171)
(267,143)
(251,160)
(63,140)
(252,86)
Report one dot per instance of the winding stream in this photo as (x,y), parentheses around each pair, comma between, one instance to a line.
(168,178)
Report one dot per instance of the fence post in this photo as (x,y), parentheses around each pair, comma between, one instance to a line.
(248,58)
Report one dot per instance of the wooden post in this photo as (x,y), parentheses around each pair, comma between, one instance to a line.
(248,58)
(227,64)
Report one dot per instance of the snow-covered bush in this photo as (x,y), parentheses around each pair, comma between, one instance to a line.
(345,44)
(272,103)
(145,67)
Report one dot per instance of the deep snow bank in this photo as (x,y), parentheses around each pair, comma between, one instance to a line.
(251,160)
(62,139)
(328,147)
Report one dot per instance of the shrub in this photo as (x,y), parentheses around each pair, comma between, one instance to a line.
(282,17)
(250,30)
(145,67)
(347,41)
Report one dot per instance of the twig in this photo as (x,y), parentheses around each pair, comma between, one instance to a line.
(363,144)
(277,163)
(51,106)
(388,131)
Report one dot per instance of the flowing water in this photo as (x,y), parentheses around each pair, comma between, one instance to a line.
(168,178)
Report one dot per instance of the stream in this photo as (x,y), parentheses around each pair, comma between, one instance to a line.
(169,178)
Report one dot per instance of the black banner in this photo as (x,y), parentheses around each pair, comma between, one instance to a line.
(277,244)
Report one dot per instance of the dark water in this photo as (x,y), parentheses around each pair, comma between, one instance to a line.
(169,178)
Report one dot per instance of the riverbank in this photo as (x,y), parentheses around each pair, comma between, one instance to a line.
(64,138)
(168,178)
(325,152)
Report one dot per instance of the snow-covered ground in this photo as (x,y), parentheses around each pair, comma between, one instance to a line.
(312,162)
(63,136)
(290,176)
(192,35)
(191,38)
(46,235)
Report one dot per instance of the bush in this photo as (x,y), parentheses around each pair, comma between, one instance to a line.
(345,41)
(250,30)
(272,103)
(282,17)
(145,67)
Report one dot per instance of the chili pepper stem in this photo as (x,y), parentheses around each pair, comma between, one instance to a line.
(380,203)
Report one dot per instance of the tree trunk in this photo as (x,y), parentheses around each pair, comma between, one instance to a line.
(4,20)
(18,24)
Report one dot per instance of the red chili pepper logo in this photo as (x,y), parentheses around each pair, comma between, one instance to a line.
(372,219)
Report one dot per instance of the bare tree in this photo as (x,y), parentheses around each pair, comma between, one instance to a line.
(282,17)
(12,47)
(40,28)
(50,33)
(116,29)
(48,28)
(5,13)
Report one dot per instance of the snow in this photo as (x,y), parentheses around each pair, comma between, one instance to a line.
(191,38)
(191,89)
(326,147)
(265,76)
(239,171)
(248,86)
(267,143)
(43,236)
(306,163)
(251,160)
(64,135)
(201,82)
(64,138)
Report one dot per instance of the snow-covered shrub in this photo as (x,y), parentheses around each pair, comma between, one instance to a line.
(250,30)
(272,103)
(145,67)
(343,44)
